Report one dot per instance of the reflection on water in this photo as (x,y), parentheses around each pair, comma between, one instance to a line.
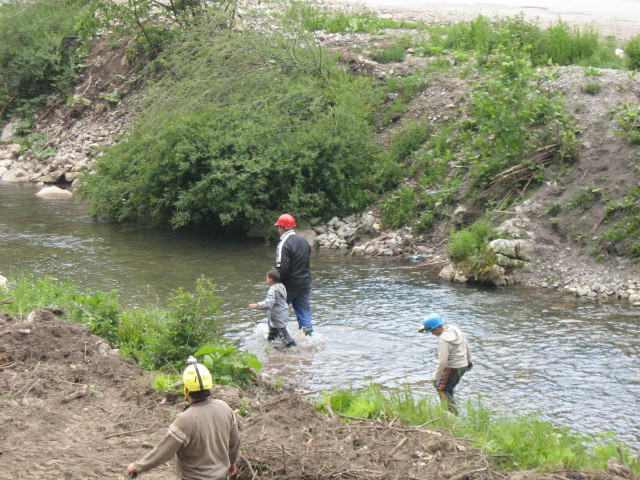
(576,362)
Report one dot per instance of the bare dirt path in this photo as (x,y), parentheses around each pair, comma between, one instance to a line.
(616,17)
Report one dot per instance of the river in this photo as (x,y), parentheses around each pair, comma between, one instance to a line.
(574,361)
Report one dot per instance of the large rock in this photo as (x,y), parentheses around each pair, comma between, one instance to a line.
(3,281)
(9,131)
(493,275)
(54,192)
(450,273)
(15,175)
(503,247)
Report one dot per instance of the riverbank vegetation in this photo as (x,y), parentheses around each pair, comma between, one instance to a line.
(157,337)
(520,441)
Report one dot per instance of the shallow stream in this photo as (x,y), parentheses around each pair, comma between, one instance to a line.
(575,361)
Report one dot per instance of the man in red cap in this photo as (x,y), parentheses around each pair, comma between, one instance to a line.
(292,261)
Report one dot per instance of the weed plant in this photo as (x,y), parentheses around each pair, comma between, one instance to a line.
(520,442)
(158,337)
(632,53)
(628,118)
(467,247)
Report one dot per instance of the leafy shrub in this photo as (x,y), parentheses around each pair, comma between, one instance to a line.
(397,209)
(467,247)
(227,365)
(42,46)
(632,52)
(242,126)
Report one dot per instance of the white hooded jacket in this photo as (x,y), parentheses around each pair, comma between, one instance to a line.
(453,350)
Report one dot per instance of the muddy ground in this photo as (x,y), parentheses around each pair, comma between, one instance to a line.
(72,408)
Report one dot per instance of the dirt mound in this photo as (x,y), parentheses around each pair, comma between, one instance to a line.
(72,408)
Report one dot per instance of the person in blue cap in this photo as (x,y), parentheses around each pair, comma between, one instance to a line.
(454,357)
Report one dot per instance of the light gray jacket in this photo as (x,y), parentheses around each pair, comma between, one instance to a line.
(453,350)
(276,304)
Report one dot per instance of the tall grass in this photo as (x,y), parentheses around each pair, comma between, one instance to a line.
(527,441)
(559,44)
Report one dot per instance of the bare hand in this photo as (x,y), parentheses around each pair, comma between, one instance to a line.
(232,469)
(253,305)
(131,469)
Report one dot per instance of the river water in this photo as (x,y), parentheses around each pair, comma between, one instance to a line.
(574,361)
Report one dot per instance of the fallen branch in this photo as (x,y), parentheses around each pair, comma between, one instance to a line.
(249,467)
(6,301)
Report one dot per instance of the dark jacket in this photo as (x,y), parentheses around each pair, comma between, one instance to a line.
(292,261)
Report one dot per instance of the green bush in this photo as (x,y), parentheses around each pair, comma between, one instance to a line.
(397,209)
(43,43)
(227,365)
(467,247)
(239,127)
(632,52)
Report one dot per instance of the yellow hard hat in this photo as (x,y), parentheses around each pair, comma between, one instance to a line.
(196,377)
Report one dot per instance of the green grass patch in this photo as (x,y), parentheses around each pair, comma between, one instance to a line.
(524,441)
(624,217)
(157,337)
(559,44)
(314,16)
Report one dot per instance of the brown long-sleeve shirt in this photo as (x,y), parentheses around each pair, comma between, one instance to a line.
(205,440)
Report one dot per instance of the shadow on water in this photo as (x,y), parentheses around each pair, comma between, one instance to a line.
(575,361)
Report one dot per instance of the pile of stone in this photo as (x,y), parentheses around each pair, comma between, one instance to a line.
(595,289)
(75,146)
(512,257)
(363,234)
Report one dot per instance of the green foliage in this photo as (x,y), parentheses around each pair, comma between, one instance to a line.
(241,126)
(227,365)
(99,311)
(632,53)
(628,118)
(586,197)
(167,383)
(156,337)
(397,209)
(393,53)
(557,44)
(510,118)
(314,16)
(624,217)
(592,72)
(43,43)
(521,442)
(592,88)
(467,247)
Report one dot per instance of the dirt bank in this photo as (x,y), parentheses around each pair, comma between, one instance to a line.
(72,408)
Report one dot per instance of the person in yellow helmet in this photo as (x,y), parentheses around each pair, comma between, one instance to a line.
(204,437)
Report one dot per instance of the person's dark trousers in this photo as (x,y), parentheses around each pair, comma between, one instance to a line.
(301,303)
(282,334)
(447,383)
